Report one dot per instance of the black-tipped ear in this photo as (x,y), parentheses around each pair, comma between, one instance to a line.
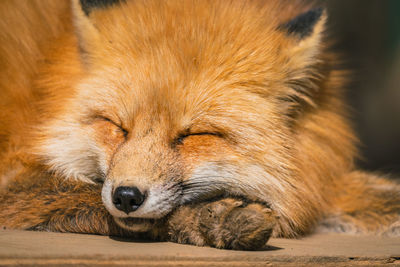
(303,25)
(304,49)
(89,5)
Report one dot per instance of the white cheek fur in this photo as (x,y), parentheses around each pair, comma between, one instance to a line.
(69,151)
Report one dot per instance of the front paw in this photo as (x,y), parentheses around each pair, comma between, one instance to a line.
(232,224)
(226,223)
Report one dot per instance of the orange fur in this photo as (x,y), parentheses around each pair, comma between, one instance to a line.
(190,101)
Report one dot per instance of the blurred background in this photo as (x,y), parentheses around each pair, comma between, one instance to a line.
(368,34)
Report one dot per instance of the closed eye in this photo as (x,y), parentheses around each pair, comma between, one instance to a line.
(123,130)
(179,140)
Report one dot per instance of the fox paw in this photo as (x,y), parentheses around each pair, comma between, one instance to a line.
(230,223)
(226,223)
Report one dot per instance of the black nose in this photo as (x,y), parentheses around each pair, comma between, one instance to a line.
(127,199)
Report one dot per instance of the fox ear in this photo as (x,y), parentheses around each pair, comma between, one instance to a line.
(89,37)
(304,24)
(89,5)
(304,34)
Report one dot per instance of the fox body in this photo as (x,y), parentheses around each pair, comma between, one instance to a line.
(214,123)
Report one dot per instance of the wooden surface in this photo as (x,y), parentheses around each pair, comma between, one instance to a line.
(26,248)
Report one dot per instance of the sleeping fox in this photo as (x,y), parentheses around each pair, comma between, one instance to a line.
(207,122)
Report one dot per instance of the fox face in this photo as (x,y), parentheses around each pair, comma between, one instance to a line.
(177,102)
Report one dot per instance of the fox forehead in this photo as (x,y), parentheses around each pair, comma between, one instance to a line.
(184,61)
(192,40)
(145,28)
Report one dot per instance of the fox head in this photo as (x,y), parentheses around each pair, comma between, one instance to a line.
(184,101)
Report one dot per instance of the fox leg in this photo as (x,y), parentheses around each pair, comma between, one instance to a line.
(226,223)
(366,203)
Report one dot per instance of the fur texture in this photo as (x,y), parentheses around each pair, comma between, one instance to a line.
(227,114)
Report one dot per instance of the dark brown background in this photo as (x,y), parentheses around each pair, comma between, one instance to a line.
(368,32)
